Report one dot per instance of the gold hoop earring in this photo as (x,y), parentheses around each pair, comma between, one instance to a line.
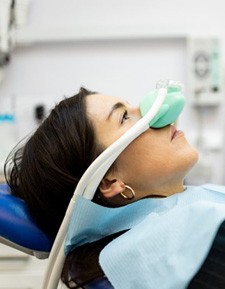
(132,192)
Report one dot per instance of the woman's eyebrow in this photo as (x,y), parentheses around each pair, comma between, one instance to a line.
(116,106)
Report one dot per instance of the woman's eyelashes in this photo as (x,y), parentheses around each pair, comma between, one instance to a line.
(124,117)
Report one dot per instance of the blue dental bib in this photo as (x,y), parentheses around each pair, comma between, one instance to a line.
(166,250)
(168,239)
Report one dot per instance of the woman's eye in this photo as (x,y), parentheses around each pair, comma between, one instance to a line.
(124,116)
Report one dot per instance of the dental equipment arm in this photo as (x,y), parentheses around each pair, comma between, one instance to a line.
(89,182)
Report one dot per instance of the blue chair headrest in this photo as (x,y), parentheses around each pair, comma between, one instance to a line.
(18,229)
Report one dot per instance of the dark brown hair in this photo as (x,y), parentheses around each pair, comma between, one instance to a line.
(82,264)
(45,171)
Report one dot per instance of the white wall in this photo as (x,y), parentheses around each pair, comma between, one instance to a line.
(118,47)
(155,16)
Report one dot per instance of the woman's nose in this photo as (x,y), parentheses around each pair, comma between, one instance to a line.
(137,112)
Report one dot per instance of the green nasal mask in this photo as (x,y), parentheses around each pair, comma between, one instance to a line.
(169,111)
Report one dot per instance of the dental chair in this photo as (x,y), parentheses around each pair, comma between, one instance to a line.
(18,230)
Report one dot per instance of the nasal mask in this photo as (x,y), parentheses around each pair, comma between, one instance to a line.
(170,109)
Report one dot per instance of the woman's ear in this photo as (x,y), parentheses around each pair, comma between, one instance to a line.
(111,187)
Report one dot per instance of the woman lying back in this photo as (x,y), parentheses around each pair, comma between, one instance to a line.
(46,170)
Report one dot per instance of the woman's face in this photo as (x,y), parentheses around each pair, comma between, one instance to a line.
(154,164)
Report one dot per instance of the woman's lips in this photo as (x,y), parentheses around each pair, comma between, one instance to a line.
(175,133)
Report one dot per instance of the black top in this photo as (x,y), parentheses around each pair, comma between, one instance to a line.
(212,273)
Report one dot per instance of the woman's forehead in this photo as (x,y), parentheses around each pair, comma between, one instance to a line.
(101,103)
(98,98)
